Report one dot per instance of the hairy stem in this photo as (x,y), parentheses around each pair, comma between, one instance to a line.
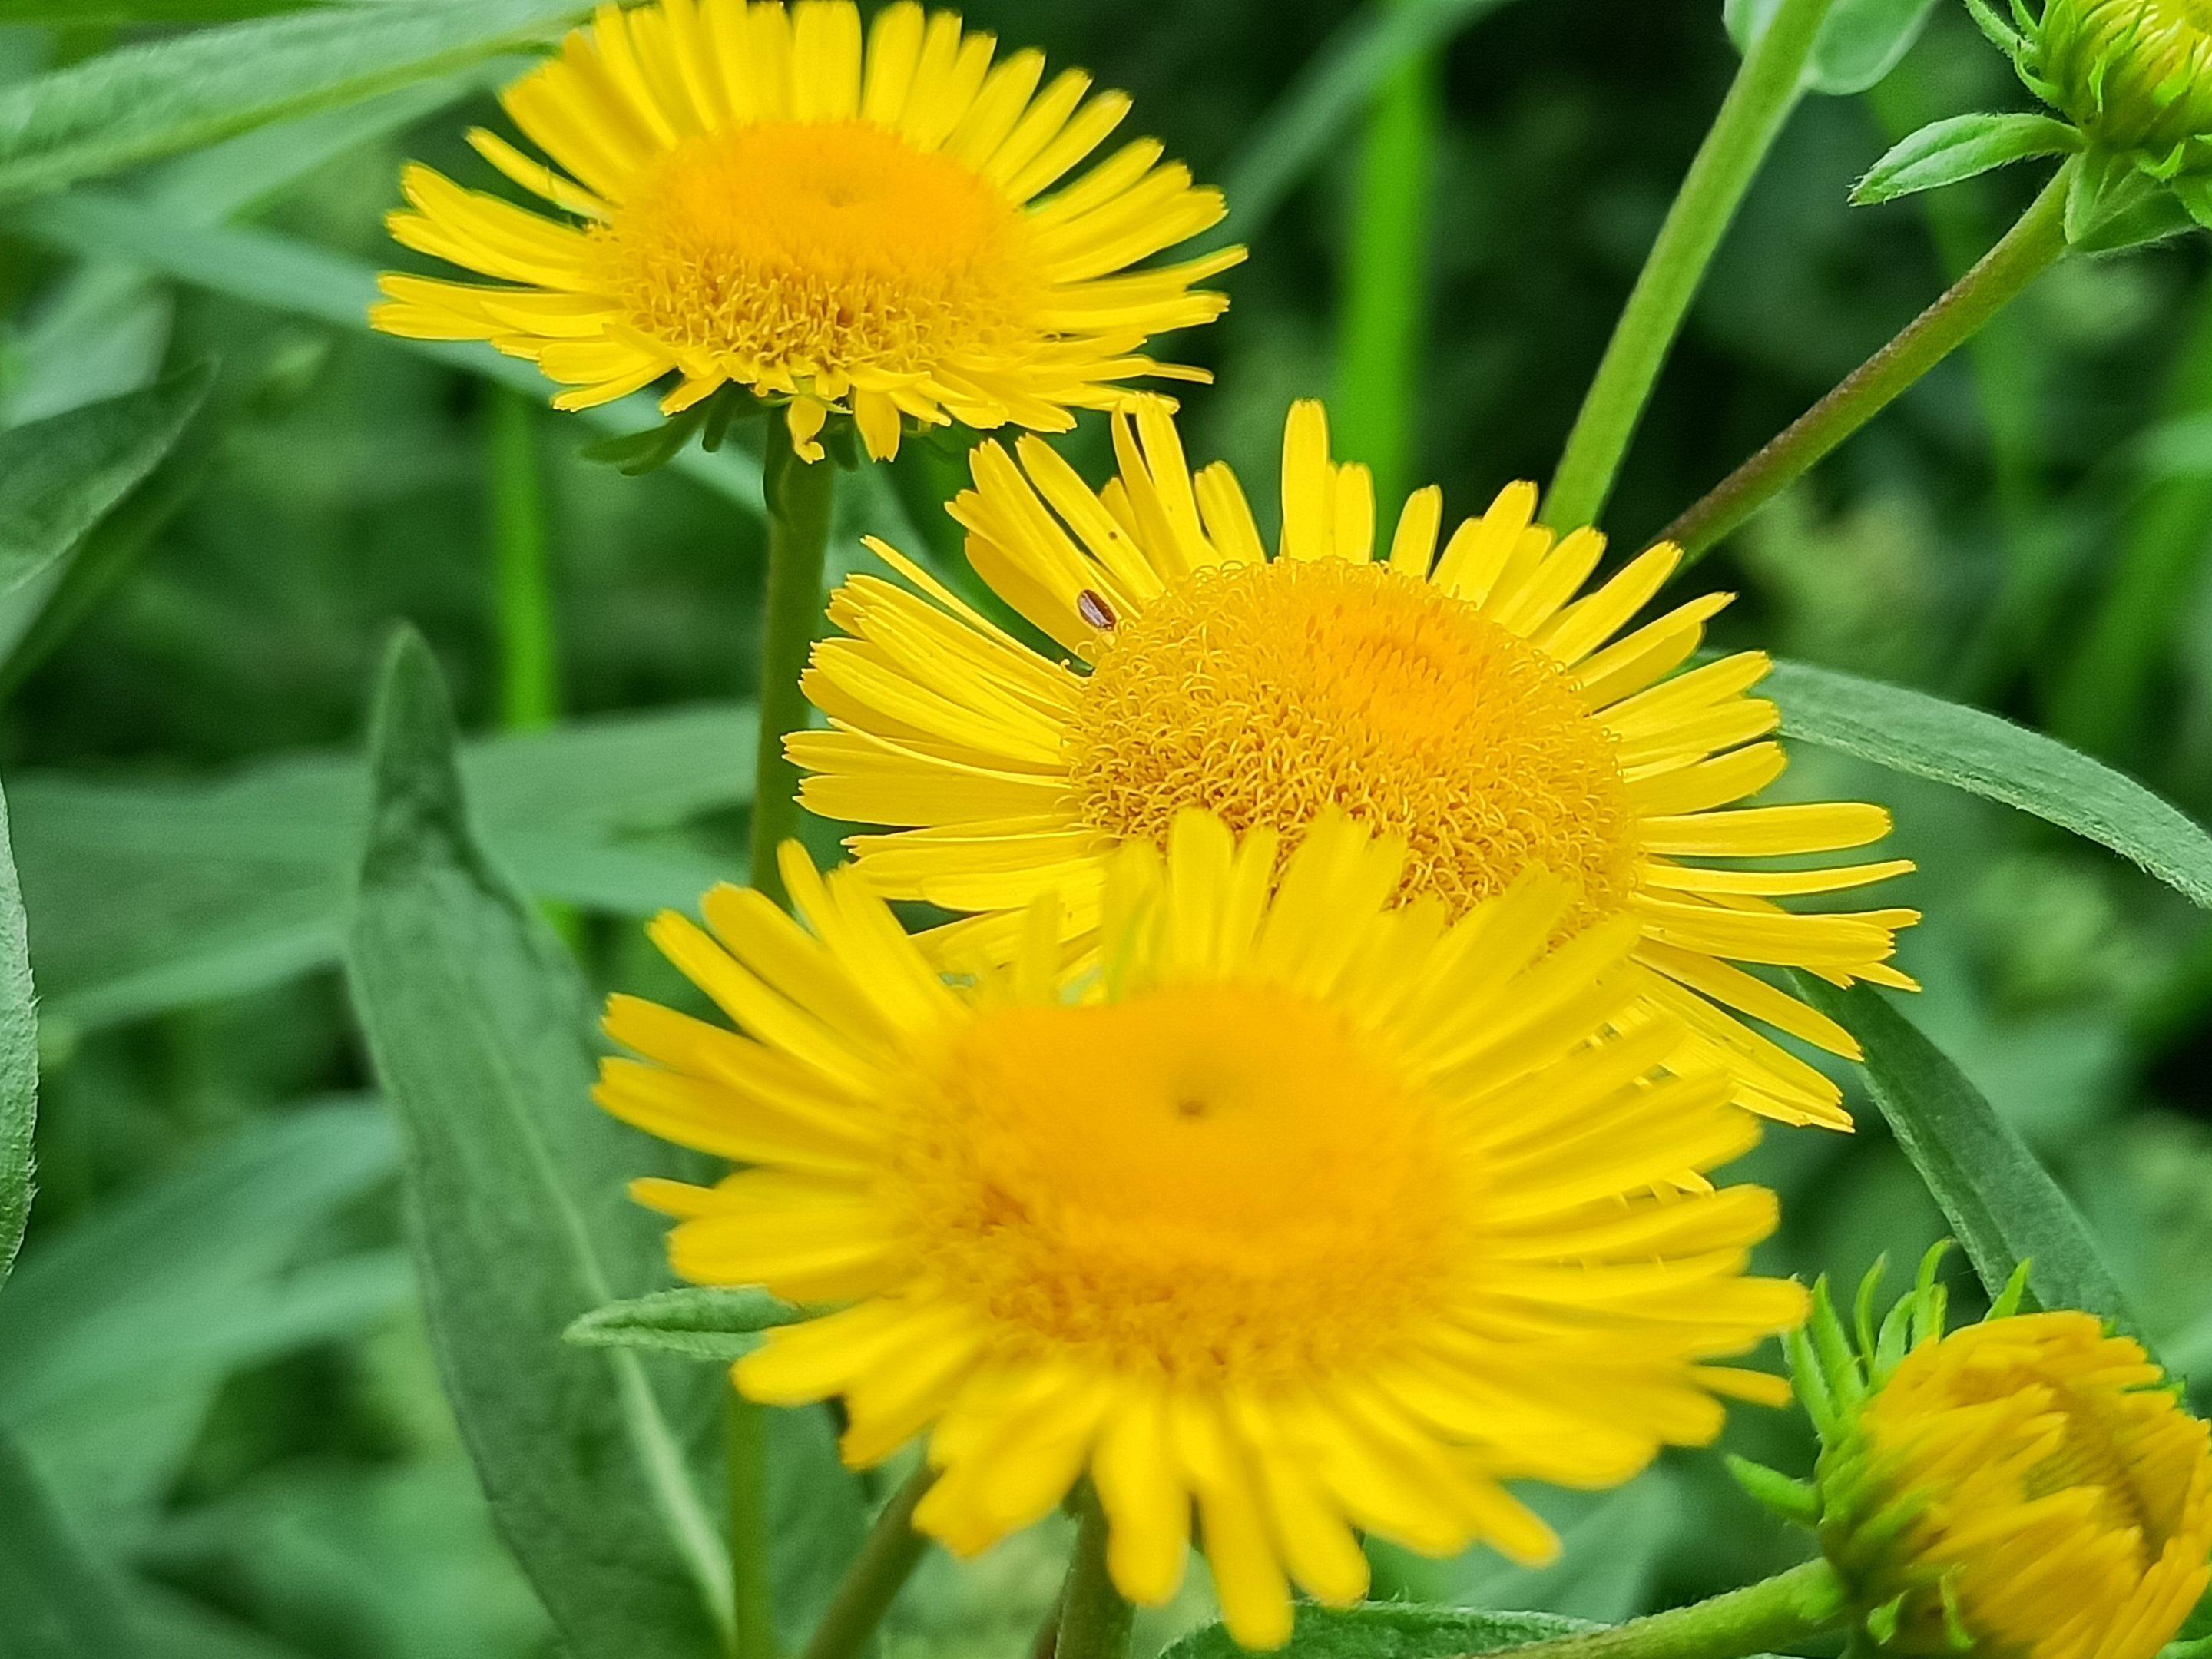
(894,1549)
(1766,91)
(1787,1609)
(798,501)
(744,1426)
(2028,249)
(1094,1616)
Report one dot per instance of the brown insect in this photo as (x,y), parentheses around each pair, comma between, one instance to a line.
(1094,610)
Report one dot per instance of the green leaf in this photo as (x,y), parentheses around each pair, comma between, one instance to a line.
(1389,1630)
(2002,1204)
(116,1331)
(56,1602)
(141,102)
(1858,46)
(145,897)
(697,1323)
(59,477)
(81,12)
(1309,121)
(1979,752)
(1964,147)
(19,1058)
(288,275)
(479,1026)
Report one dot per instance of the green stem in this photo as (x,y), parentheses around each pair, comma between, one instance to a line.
(529,671)
(2028,249)
(1784,1609)
(1766,90)
(798,501)
(744,1430)
(1094,1616)
(894,1549)
(1385,299)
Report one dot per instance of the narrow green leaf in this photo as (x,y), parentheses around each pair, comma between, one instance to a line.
(59,477)
(697,1323)
(1979,752)
(56,1602)
(19,1058)
(288,275)
(479,1026)
(1964,147)
(81,12)
(1389,1630)
(1307,123)
(141,102)
(2000,1202)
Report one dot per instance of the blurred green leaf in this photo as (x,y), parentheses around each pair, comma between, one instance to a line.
(60,475)
(697,1323)
(141,102)
(115,1332)
(1611,1549)
(1861,41)
(1986,755)
(143,898)
(1388,1630)
(56,1602)
(479,1025)
(1962,148)
(81,12)
(2002,1204)
(288,275)
(19,1058)
(1311,117)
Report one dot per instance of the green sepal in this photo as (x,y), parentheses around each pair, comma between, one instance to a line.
(635,453)
(695,1323)
(1797,1502)
(2114,205)
(1881,1622)
(1965,147)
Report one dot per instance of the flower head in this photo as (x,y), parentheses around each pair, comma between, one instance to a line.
(749,198)
(1468,703)
(1317,1212)
(2136,76)
(2026,1488)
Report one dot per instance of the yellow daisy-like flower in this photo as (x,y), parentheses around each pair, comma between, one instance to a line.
(753,199)
(1469,704)
(1318,1213)
(2032,1490)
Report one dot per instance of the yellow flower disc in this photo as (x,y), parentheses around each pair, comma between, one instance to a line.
(2062,1498)
(754,198)
(1313,1211)
(1470,699)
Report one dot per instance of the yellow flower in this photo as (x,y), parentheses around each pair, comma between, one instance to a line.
(753,199)
(1321,1213)
(1469,705)
(2027,1487)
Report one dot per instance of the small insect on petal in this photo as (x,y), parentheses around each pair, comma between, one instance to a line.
(1094,610)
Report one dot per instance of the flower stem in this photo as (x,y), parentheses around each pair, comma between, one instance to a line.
(744,1429)
(1386,278)
(1766,91)
(529,660)
(1789,1607)
(894,1549)
(798,501)
(2033,244)
(1094,1616)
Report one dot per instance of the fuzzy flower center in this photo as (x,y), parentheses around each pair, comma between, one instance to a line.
(1267,693)
(1220,1180)
(819,248)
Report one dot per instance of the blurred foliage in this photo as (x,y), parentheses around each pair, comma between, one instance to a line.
(212,1350)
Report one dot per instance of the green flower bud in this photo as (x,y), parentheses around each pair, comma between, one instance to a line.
(2136,76)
